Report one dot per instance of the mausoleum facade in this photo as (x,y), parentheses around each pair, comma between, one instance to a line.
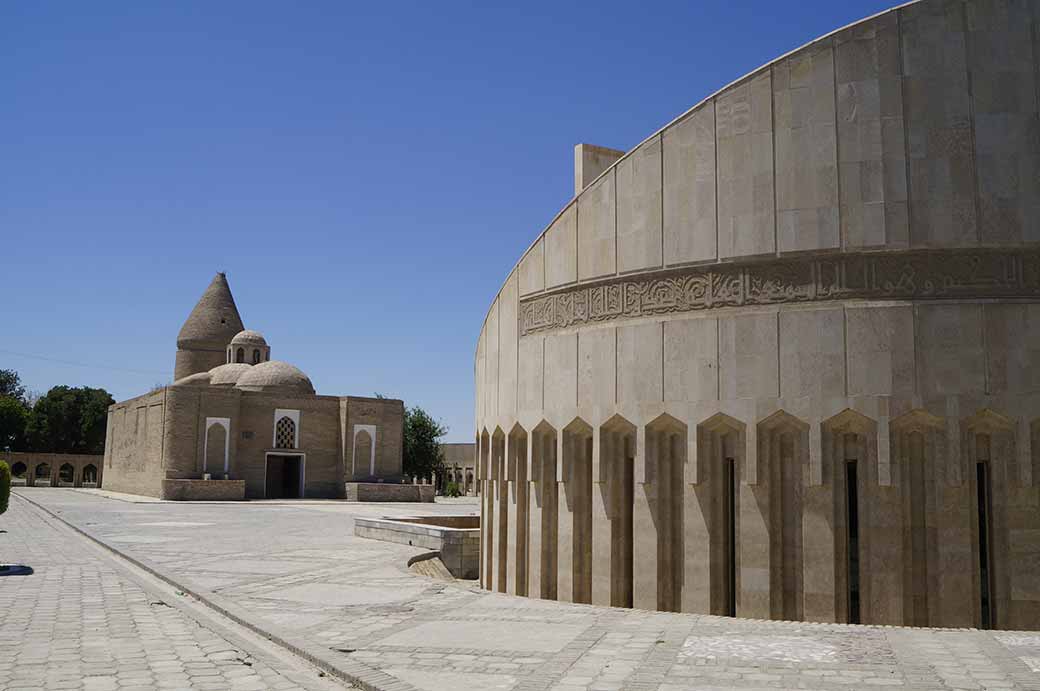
(236,424)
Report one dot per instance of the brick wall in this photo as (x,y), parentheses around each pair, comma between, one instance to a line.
(133,447)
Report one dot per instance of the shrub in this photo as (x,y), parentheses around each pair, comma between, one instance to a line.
(452,490)
(5,485)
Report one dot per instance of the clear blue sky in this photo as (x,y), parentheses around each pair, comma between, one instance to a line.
(365,173)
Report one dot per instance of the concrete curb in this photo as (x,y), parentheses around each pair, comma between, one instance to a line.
(353,672)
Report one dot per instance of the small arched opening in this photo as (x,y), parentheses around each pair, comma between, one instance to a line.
(42,476)
(90,475)
(256,356)
(18,471)
(66,474)
(240,355)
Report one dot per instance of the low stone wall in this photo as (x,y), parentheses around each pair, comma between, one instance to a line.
(387,491)
(445,521)
(204,490)
(459,548)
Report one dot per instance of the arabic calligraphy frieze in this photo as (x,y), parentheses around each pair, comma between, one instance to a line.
(878,276)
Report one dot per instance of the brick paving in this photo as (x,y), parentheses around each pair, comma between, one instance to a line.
(79,621)
(299,572)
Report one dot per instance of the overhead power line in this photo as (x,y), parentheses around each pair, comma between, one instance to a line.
(73,363)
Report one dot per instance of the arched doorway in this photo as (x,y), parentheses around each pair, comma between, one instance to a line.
(18,471)
(66,474)
(90,475)
(42,476)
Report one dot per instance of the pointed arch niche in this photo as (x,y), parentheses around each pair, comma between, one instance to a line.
(783,457)
(612,545)
(216,445)
(516,477)
(988,455)
(662,504)
(720,458)
(849,450)
(575,513)
(918,442)
(487,499)
(542,509)
(498,498)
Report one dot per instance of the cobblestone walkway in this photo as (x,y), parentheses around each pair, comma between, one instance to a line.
(80,621)
(299,572)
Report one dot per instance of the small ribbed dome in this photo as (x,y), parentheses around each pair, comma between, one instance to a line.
(275,376)
(228,374)
(249,337)
(197,379)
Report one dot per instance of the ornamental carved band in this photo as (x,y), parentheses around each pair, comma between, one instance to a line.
(935,274)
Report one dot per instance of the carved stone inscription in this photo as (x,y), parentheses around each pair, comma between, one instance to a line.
(906,275)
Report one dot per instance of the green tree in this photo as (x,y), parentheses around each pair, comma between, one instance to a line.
(69,420)
(423,455)
(11,385)
(14,417)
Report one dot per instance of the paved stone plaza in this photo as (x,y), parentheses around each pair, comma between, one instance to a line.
(297,572)
(82,620)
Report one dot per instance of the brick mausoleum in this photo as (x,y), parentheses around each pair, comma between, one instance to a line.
(236,424)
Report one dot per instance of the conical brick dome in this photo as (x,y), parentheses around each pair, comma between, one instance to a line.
(209,328)
(215,319)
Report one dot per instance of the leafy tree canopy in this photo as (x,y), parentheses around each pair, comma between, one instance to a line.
(14,416)
(69,420)
(423,455)
(11,385)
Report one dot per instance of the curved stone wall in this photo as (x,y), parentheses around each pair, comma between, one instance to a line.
(780,360)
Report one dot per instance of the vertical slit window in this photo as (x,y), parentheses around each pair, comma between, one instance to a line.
(852,543)
(985,570)
(731,537)
(627,496)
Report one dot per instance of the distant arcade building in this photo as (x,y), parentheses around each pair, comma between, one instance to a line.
(460,467)
(781,359)
(236,424)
